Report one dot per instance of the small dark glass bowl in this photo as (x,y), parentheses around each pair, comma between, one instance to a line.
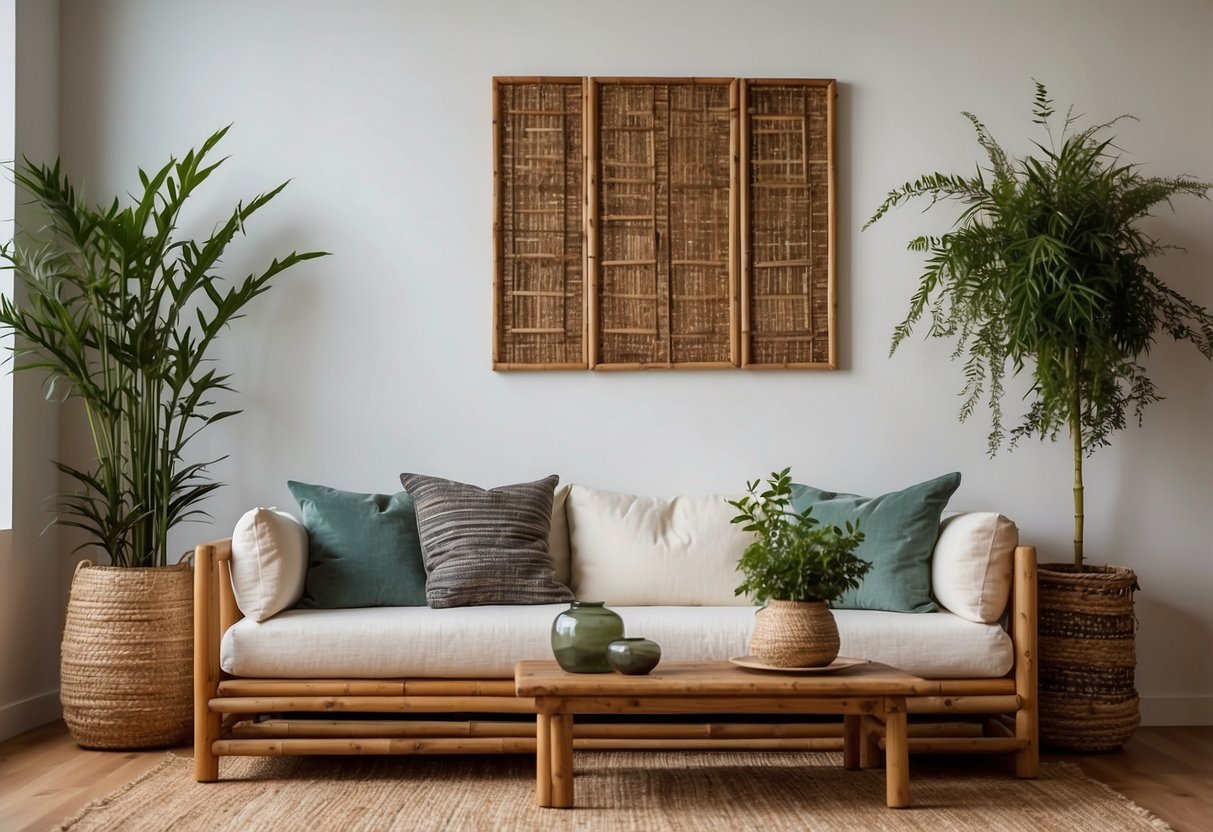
(633,656)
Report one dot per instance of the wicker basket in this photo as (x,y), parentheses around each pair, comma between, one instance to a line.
(795,634)
(1088,655)
(127,656)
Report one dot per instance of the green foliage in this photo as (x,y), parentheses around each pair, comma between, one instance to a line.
(120,315)
(794,558)
(1045,268)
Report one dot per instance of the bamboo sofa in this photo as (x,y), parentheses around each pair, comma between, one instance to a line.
(259,715)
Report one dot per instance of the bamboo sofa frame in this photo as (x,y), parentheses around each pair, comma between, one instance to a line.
(243,717)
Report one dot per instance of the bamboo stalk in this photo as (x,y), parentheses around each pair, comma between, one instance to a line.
(963,745)
(850,740)
(783,82)
(387,729)
(347,747)
(506,365)
(964,704)
(206,664)
(734,704)
(537,79)
(745,276)
(734,222)
(543,759)
(498,247)
(311,687)
(681,365)
(832,227)
(897,755)
(1024,635)
(374,704)
(974,687)
(591,244)
(562,759)
(750,744)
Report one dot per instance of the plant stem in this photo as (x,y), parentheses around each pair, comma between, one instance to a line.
(1076,437)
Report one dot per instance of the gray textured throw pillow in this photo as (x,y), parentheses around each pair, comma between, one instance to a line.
(485,546)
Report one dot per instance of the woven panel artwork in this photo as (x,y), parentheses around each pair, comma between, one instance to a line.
(788,263)
(663,223)
(539,298)
(663,213)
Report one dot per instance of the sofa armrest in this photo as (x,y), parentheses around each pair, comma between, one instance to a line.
(1023,634)
(214,611)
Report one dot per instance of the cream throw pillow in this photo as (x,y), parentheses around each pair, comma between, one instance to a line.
(269,562)
(649,551)
(558,537)
(972,563)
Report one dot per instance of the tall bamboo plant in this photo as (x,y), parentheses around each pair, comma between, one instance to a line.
(1046,268)
(120,315)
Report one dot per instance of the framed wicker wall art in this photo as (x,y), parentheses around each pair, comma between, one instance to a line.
(668,223)
(539,188)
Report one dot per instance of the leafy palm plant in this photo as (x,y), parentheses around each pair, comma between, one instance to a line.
(1046,267)
(793,557)
(120,315)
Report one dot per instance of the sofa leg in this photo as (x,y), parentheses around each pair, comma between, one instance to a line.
(1027,760)
(206,731)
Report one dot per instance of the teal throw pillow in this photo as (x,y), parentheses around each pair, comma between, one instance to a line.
(899,528)
(363,549)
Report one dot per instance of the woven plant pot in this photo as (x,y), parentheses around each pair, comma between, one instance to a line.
(127,656)
(795,634)
(1088,655)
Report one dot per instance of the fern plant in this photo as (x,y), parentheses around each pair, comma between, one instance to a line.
(793,557)
(1046,270)
(120,315)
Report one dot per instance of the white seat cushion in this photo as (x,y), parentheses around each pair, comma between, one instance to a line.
(972,564)
(631,551)
(485,642)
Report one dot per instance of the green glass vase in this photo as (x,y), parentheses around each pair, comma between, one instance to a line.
(580,636)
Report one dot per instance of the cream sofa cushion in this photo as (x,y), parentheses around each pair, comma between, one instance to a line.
(558,535)
(269,562)
(629,550)
(485,642)
(972,563)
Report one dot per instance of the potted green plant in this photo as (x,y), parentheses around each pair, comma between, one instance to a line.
(796,567)
(120,315)
(1046,272)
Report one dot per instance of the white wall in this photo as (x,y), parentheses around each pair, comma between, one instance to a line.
(31,591)
(376,360)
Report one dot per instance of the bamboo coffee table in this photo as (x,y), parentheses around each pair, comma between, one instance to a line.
(861,694)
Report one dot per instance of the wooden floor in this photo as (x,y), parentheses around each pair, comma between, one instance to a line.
(45,777)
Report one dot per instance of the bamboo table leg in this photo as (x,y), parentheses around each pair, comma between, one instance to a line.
(897,754)
(850,740)
(562,760)
(869,743)
(543,759)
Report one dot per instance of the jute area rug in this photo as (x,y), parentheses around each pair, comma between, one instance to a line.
(699,791)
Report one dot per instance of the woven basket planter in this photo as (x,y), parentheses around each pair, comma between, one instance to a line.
(127,657)
(1088,656)
(795,634)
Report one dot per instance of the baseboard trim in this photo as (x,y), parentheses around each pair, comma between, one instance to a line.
(19,717)
(1177,710)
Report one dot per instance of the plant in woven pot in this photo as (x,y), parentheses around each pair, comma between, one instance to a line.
(120,315)
(796,567)
(1046,272)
